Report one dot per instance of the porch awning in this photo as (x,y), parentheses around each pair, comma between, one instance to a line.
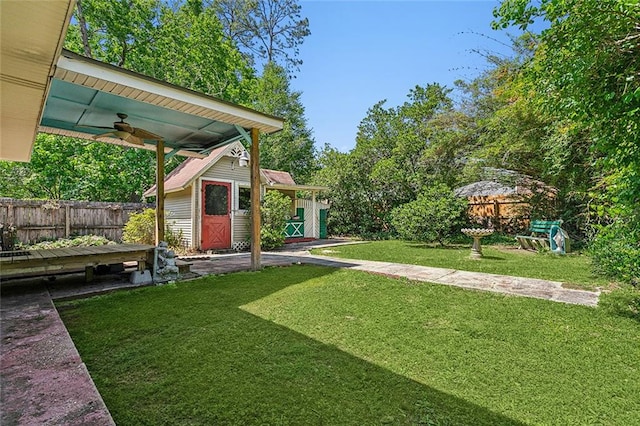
(47,89)
(86,95)
(67,94)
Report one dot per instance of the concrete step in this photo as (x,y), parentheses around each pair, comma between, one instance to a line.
(184,267)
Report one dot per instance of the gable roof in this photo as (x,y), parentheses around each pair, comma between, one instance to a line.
(191,169)
(524,186)
(276,177)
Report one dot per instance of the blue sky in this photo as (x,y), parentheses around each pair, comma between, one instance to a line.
(364,51)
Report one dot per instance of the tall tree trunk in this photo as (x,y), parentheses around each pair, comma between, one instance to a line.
(83,29)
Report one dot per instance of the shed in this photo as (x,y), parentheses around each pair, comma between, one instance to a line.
(208,200)
(505,203)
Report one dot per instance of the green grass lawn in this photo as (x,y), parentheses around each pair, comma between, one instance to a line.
(307,345)
(573,269)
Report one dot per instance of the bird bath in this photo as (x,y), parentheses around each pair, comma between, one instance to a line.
(476,234)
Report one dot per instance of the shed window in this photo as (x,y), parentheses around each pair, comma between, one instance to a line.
(244,198)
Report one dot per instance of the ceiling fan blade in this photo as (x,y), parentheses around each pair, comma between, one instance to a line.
(145,134)
(118,134)
(134,140)
(123,127)
(105,135)
(93,127)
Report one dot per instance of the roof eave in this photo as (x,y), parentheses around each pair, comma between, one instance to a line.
(78,69)
(297,187)
(29,51)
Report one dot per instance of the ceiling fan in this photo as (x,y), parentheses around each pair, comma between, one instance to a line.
(124,131)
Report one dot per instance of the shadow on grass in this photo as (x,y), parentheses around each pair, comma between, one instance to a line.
(458,247)
(484,256)
(187,354)
(438,246)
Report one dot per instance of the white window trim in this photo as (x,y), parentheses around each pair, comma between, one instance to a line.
(236,197)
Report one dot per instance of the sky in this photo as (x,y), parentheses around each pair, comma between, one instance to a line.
(361,52)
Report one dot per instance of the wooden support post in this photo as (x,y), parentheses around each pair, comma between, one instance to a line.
(255,200)
(159,192)
(88,274)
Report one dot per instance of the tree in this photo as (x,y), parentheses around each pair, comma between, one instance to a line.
(399,153)
(184,45)
(585,69)
(350,194)
(274,213)
(12,176)
(586,64)
(270,30)
(513,132)
(291,149)
(431,217)
(73,169)
(191,51)
(113,31)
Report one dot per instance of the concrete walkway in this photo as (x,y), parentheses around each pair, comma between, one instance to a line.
(518,286)
(527,287)
(44,381)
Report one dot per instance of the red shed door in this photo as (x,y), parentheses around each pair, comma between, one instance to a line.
(216,215)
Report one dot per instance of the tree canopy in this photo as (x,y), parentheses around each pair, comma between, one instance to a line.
(185,43)
(564,109)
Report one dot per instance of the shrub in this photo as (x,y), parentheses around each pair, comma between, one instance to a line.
(79,241)
(141,229)
(274,213)
(431,217)
(616,251)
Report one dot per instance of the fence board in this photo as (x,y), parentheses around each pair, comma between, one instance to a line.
(38,220)
(500,213)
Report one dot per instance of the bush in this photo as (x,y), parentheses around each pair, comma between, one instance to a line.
(274,213)
(433,216)
(80,241)
(616,251)
(141,229)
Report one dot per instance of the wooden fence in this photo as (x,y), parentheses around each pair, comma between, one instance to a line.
(500,213)
(38,220)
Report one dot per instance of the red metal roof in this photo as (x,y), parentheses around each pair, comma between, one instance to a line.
(277,177)
(185,174)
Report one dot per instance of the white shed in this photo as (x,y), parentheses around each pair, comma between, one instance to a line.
(208,200)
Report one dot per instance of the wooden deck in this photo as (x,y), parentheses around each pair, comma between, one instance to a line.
(27,263)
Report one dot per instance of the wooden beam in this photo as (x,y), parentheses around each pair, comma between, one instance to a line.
(159,192)
(255,200)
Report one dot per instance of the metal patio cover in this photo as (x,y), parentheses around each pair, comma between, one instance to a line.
(47,89)
(44,88)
